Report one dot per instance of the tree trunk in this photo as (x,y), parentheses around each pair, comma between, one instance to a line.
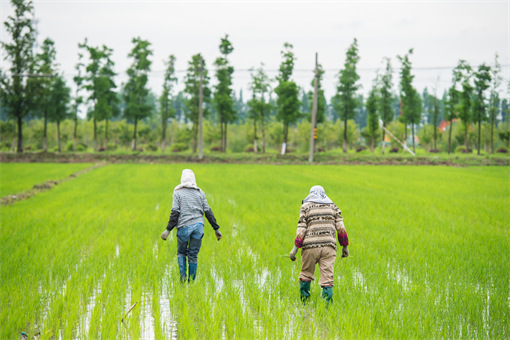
(106,135)
(95,135)
(133,143)
(254,135)
(225,132)
(20,135)
(412,131)
(383,138)
(466,137)
(45,131)
(372,144)
(75,132)
(13,146)
(58,136)
(405,133)
(195,135)
(435,136)
(285,134)
(221,134)
(345,136)
(450,137)
(263,133)
(492,136)
(479,135)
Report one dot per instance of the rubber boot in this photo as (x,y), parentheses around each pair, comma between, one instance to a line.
(192,271)
(182,267)
(327,294)
(305,290)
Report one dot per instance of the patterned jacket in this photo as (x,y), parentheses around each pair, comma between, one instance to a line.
(317,225)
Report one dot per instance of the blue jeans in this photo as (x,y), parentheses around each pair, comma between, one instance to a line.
(189,241)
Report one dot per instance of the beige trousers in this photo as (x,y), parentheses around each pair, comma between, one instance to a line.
(325,257)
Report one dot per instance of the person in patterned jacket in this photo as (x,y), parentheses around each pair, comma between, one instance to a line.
(319,218)
(189,205)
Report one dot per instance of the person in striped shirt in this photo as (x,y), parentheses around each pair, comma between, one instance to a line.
(189,205)
(319,218)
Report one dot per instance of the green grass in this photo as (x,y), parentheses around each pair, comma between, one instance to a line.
(18,177)
(428,255)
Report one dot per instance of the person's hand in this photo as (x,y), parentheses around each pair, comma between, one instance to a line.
(345,251)
(293,253)
(165,234)
(217,232)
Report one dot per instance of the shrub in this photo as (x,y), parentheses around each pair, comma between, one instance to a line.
(81,147)
(394,150)
(178,147)
(502,150)
(321,149)
(215,148)
(462,149)
(360,148)
(101,149)
(112,147)
(151,147)
(249,148)
(69,146)
(434,151)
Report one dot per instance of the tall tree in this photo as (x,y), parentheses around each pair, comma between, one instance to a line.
(19,52)
(347,87)
(464,74)
(165,101)
(100,85)
(136,91)
(108,99)
(287,90)
(321,99)
(195,76)
(373,117)
(259,107)
(59,101)
(434,114)
(45,65)
(410,98)
(78,98)
(386,99)
(494,101)
(451,106)
(482,83)
(222,98)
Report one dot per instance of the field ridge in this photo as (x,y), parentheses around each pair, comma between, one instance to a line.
(45,186)
(269,158)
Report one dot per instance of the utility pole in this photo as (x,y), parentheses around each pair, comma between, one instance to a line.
(200,115)
(313,130)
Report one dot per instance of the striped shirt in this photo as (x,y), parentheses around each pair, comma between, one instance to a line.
(317,224)
(191,204)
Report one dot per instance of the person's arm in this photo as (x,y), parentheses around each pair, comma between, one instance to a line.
(341,232)
(210,216)
(174,216)
(300,234)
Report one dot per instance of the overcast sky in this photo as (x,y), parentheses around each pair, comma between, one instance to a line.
(440,32)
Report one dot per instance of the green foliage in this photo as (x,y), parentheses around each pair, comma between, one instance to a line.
(287,104)
(386,96)
(16,91)
(426,136)
(372,128)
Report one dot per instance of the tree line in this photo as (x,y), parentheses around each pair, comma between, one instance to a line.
(34,87)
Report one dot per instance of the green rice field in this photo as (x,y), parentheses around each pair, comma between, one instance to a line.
(429,254)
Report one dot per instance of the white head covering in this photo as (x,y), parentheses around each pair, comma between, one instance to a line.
(187,180)
(317,195)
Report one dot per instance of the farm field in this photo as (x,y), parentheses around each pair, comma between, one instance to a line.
(429,254)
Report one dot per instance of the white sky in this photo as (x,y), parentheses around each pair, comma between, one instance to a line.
(440,32)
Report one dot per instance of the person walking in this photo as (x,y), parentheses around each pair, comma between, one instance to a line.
(189,205)
(318,219)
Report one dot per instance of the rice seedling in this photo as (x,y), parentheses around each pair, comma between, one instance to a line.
(428,255)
